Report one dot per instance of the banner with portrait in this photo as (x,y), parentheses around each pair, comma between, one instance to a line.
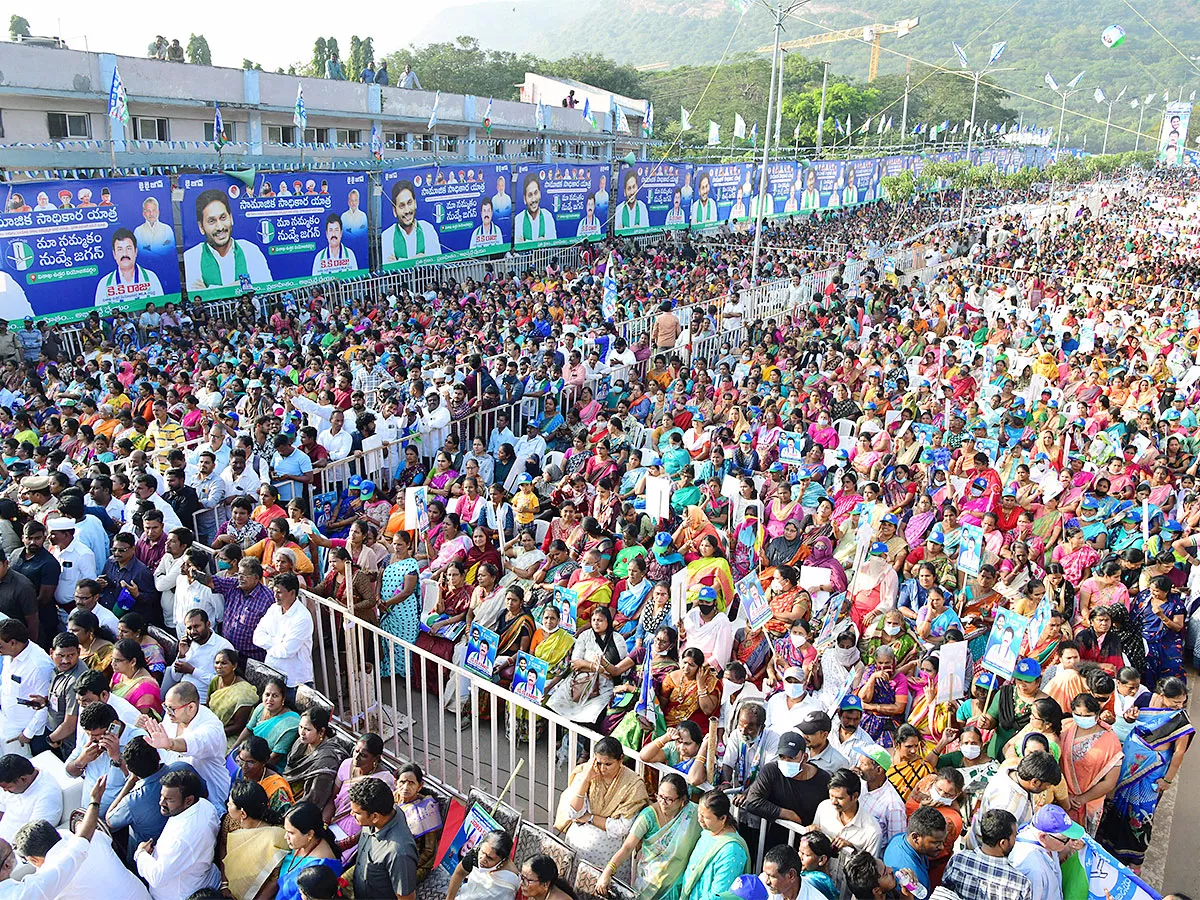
(441,213)
(1172,139)
(71,246)
(722,193)
(290,230)
(782,196)
(650,197)
(555,204)
(824,182)
(861,181)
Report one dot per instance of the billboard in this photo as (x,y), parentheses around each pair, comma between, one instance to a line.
(443,213)
(1172,140)
(862,181)
(107,244)
(652,197)
(292,229)
(722,193)
(782,192)
(823,185)
(556,204)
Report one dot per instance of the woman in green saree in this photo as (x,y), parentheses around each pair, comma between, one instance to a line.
(551,643)
(720,856)
(664,834)
(230,696)
(274,722)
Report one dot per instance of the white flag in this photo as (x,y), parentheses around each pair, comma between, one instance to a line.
(879,128)
(962,56)
(622,121)
(1192,95)
(1050,82)
(739,127)
(1122,94)
(997,50)
(796,132)
(437,100)
(1133,104)
(714,133)
(685,121)
(1149,99)
(1099,95)
(1074,81)
(1167,96)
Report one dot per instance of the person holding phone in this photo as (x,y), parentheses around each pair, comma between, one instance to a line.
(100,753)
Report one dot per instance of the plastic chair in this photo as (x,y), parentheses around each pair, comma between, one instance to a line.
(532,840)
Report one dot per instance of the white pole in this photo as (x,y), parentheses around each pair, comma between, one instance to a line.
(1062,116)
(962,212)
(821,114)
(1137,141)
(904,114)
(762,172)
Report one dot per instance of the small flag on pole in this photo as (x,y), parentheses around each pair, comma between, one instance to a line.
(1167,96)
(837,123)
(539,116)
(622,121)
(1050,82)
(739,126)
(218,126)
(714,133)
(849,127)
(866,127)
(889,124)
(740,6)
(997,50)
(588,115)
(300,114)
(754,135)
(1192,95)
(648,120)
(608,300)
(118,100)
(1074,81)
(487,117)
(376,143)
(433,118)
(879,128)
(796,132)
(1099,95)
(685,121)
(962,56)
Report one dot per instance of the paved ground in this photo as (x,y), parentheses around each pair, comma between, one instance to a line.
(1173,862)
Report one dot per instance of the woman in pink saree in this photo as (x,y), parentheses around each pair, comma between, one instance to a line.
(875,586)
(845,500)
(823,432)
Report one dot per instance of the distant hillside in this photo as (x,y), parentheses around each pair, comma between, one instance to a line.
(1062,36)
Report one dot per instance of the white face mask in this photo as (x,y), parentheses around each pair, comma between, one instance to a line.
(893,630)
(970,751)
(847,656)
(790,768)
(1084,722)
(728,689)
(937,798)
(549,631)
(798,640)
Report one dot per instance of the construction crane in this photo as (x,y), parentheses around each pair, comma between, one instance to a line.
(870,34)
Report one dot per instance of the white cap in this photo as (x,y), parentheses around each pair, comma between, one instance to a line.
(60,523)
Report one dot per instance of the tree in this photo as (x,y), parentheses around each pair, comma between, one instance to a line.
(598,71)
(319,57)
(247,64)
(198,53)
(18,27)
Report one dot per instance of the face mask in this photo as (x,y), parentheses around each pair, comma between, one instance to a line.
(728,689)
(790,769)
(1084,721)
(847,656)
(893,630)
(586,569)
(549,631)
(936,798)
(798,640)
(222,565)
(706,608)
(794,690)
(970,751)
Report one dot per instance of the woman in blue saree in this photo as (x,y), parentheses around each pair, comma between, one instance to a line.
(312,843)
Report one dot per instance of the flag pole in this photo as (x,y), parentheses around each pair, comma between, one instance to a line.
(762,172)
(821,114)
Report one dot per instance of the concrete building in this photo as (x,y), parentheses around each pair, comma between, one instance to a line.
(54,102)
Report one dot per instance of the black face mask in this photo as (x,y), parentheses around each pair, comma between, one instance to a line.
(706,608)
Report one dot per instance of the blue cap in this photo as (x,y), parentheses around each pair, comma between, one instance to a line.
(925,382)
(804,473)
(936,537)
(1089,503)
(859,510)
(1027,670)
(985,680)
(1052,819)
(708,593)
(367,489)
(1010,491)
(850,702)
(1133,515)
(125,601)
(1171,415)
(654,460)
(891,519)
(879,548)
(745,887)
(1053,404)
(524,478)
(1172,525)
(355,483)
(775,467)
(979,483)
(662,539)
(871,405)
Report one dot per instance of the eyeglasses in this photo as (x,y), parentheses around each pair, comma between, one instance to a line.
(664,799)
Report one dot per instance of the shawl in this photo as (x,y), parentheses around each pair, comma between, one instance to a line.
(624,798)
(664,854)
(251,857)
(782,552)
(822,556)
(304,765)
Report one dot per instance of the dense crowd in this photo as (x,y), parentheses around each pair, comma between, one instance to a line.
(177,494)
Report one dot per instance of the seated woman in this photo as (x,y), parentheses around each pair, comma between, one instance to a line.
(1098,642)
(313,763)
(133,626)
(255,849)
(279,536)
(621,719)
(597,652)
(883,690)
(909,763)
(132,678)
(663,835)
(692,692)
(231,696)
(365,762)
(272,721)
(598,807)
(422,813)
(95,641)
(486,872)
(250,764)
(516,627)
(710,568)
(312,844)
(540,880)
(789,602)
(788,650)
(553,644)
(521,560)
(633,597)
(682,748)
(720,854)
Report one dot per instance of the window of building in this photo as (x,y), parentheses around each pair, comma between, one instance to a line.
(281,134)
(231,131)
(67,126)
(395,139)
(316,135)
(345,136)
(146,128)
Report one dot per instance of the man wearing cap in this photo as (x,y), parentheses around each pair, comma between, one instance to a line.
(880,799)
(789,789)
(850,736)
(1039,846)
(816,726)
(76,562)
(41,503)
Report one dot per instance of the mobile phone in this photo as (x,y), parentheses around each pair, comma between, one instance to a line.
(117,728)
(21,701)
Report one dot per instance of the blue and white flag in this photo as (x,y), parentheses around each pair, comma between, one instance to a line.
(647,707)
(608,300)
(754,135)
(376,143)
(300,114)
(962,56)
(648,120)
(997,50)
(837,123)
(1110,879)
(218,125)
(1050,82)
(118,100)
(588,116)
(437,101)
(1074,81)
(685,120)
(539,117)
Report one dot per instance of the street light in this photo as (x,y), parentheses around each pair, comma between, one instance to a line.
(1137,141)
(1064,94)
(1100,98)
(976,75)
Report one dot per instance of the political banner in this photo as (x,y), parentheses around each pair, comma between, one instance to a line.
(970,549)
(1172,140)
(529,680)
(1109,878)
(651,197)
(555,205)
(754,601)
(481,651)
(475,824)
(862,181)
(442,213)
(894,165)
(566,600)
(1004,643)
(782,196)
(722,194)
(823,184)
(73,246)
(290,230)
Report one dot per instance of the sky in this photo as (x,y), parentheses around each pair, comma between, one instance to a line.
(289,38)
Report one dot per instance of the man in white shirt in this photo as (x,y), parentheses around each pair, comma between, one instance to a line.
(849,736)
(240,480)
(93,687)
(180,862)
(708,630)
(336,439)
(286,633)
(102,869)
(28,671)
(166,573)
(145,494)
(194,664)
(843,816)
(28,795)
(192,734)
(791,706)
(75,561)
(435,424)
(1014,790)
(98,753)
(62,862)
(191,594)
(881,799)
(1036,853)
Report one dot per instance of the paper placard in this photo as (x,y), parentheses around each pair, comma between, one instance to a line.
(529,681)
(731,486)
(843,690)
(791,448)
(952,672)
(481,651)
(1004,643)
(658,496)
(754,601)
(679,594)
(814,577)
(970,549)
(416,508)
(567,601)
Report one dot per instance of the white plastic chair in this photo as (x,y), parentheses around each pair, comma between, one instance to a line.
(847,430)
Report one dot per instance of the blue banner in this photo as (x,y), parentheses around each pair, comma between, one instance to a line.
(722,193)
(862,181)
(290,230)
(824,182)
(554,204)
(442,213)
(783,192)
(650,197)
(71,246)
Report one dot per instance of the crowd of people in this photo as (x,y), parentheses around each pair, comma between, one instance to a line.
(177,495)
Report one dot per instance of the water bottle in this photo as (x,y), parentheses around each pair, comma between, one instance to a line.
(908,881)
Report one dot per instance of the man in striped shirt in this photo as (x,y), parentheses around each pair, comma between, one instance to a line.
(165,434)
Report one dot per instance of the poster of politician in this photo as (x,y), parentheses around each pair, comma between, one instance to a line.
(442,213)
(782,197)
(722,193)
(650,197)
(555,204)
(1173,139)
(289,230)
(106,244)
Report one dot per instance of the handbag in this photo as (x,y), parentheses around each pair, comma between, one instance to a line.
(584,686)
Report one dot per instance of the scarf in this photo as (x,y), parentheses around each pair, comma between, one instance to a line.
(400,243)
(623,798)
(210,269)
(625,223)
(527,226)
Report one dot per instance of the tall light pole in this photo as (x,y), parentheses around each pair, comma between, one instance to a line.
(1137,141)
(780,11)
(1100,98)
(976,75)
(1064,94)
(821,113)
